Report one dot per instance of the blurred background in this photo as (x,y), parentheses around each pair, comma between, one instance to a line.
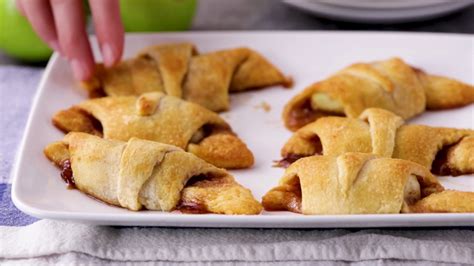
(20,46)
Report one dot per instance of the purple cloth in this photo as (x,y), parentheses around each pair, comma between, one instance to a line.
(9,214)
(17,88)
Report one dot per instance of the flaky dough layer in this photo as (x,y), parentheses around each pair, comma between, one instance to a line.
(158,117)
(390,84)
(446,151)
(141,174)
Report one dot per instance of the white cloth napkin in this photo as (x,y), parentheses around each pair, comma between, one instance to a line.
(60,242)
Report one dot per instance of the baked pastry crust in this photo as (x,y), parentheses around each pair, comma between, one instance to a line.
(391,84)
(145,174)
(178,70)
(446,201)
(352,183)
(446,151)
(444,93)
(158,117)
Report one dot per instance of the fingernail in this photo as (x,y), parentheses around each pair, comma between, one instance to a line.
(108,54)
(79,70)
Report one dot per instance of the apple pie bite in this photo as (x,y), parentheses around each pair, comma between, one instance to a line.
(157,117)
(179,70)
(361,183)
(140,174)
(390,84)
(446,151)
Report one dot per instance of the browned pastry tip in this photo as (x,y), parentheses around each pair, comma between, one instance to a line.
(76,119)
(148,103)
(285,197)
(57,152)
(445,93)
(445,201)
(223,150)
(257,72)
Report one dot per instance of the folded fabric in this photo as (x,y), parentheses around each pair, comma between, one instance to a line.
(63,242)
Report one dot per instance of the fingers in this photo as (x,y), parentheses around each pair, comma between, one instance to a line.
(19,6)
(60,23)
(72,35)
(109,29)
(41,18)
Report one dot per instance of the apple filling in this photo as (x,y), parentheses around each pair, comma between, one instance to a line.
(66,173)
(202,133)
(447,163)
(324,102)
(319,105)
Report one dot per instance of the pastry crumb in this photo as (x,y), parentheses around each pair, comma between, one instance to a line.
(288,83)
(265,106)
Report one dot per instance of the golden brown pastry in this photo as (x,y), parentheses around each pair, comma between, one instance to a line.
(352,183)
(391,84)
(446,201)
(141,174)
(446,151)
(158,117)
(178,70)
(444,93)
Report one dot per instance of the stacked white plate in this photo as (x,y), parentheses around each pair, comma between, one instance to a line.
(380,11)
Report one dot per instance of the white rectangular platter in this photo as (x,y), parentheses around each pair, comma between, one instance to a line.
(308,57)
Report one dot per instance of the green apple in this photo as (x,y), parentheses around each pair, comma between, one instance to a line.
(17,38)
(157,15)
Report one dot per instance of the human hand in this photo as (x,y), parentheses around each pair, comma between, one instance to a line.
(61,24)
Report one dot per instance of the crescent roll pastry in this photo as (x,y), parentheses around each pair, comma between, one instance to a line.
(446,151)
(158,117)
(391,84)
(178,70)
(446,201)
(352,183)
(141,174)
